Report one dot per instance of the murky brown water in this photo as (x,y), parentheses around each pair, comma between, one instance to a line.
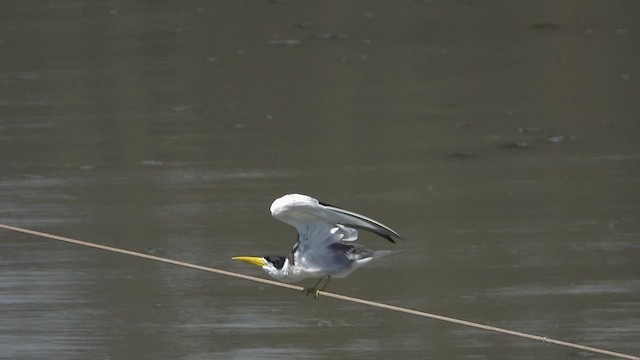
(501,139)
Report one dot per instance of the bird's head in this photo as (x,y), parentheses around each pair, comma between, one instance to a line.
(273,265)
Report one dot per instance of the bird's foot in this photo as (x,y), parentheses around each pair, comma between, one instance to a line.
(312,290)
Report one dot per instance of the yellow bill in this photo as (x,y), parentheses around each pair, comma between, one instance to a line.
(257,261)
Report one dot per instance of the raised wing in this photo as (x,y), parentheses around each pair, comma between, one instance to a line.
(319,222)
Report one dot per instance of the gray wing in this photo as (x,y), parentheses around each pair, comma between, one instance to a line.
(319,223)
(357,221)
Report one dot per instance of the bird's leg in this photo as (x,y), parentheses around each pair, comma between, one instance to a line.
(313,289)
(323,287)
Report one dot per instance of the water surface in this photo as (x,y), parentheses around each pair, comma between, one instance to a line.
(501,139)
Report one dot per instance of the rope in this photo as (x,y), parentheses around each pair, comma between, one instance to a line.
(325,293)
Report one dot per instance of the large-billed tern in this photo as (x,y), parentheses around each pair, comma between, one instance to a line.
(326,245)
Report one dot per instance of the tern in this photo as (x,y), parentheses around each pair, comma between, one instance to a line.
(325,247)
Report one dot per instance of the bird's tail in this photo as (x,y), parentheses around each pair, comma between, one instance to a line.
(381,253)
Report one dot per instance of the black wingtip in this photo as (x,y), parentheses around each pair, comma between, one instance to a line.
(383,235)
(388,238)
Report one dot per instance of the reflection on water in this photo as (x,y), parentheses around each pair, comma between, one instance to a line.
(498,138)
